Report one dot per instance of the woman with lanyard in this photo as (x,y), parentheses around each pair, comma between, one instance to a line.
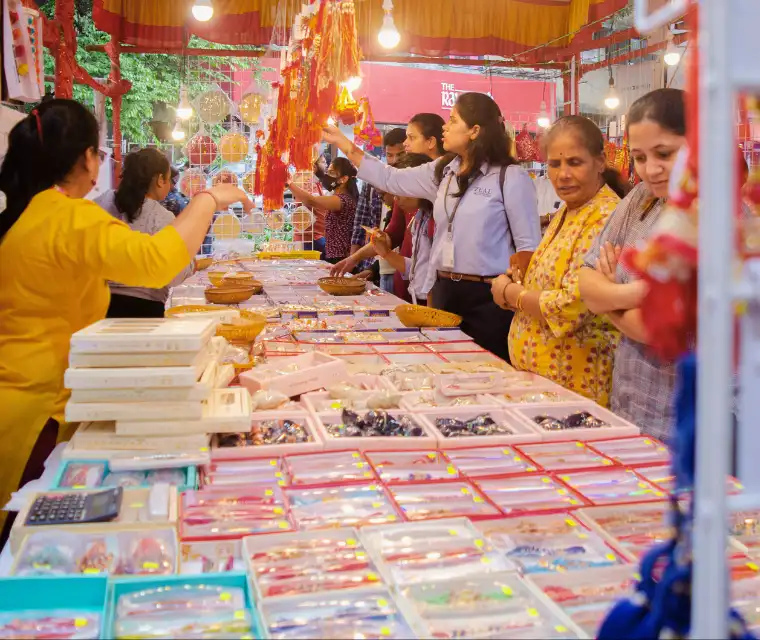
(416,270)
(484,210)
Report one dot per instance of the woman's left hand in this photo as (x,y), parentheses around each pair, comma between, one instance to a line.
(498,288)
(382,243)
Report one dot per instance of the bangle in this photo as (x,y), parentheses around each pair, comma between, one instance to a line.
(216,202)
(504,293)
(520,296)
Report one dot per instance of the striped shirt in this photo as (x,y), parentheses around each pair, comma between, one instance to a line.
(642,386)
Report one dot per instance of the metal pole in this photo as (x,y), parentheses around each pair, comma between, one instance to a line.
(714,347)
(573,85)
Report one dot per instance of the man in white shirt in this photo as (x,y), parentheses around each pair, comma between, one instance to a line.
(548,200)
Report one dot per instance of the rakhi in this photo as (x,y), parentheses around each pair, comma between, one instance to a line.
(298,550)
(565,594)
(306,570)
(321,583)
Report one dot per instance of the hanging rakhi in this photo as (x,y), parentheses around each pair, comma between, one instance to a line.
(750,228)
(366,134)
(346,107)
(256,185)
(527,151)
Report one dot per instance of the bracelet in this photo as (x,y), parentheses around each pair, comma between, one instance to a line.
(216,202)
(519,301)
(504,293)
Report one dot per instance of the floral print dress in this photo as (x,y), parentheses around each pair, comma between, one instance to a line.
(570,346)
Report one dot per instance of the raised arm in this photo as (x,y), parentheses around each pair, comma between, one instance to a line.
(417,182)
(329,203)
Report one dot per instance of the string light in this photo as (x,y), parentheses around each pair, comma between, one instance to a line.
(184,109)
(389,37)
(672,55)
(179,133)
(612,101)
(203,10)
(543,120)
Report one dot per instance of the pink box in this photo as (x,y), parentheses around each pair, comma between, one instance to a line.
(617,426)
(307,372)
(522,432)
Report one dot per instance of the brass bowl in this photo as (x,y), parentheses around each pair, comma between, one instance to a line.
(228,295)
(203,263)
(417,316)
(342,286)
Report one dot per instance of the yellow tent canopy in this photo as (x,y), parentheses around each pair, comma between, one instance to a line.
(428,27)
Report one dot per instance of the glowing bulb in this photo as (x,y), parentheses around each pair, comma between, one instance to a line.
(331,121)
(203,10)
(543,120)
(353,83)
(672,57)
(389,37)
(178,134)
(184,110)
(612,101)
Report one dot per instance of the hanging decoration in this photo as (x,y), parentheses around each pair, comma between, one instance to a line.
(193,182)
(225,176)
(250,108)
(233,147)
(249,182)
(201,150)
(213,106)
(346,108)
(527,149)
(323,52)
(366,134)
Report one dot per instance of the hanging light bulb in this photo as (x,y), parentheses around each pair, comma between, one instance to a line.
(612,101)
(672,55)
(184,108)
(179,133)
(389,36)
(353,83)
(203,10)
(331,121)
(543,120)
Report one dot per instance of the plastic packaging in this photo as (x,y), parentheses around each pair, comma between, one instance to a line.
(423,501)
(56,623)
(347,506)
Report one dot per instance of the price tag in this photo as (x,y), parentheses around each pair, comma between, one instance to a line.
(506,591)
(571,523)
(268,492)
(80,622)
(273,463)
(447,252)
(277,510)
(351,542)
(225,597)
(533,613)
(478,543)
(239,615)
(372,577)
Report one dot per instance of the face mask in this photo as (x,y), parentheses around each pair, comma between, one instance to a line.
(328,182)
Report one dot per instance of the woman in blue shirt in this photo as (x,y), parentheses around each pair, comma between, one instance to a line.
(485,213)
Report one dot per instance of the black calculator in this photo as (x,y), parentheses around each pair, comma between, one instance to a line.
(75,508)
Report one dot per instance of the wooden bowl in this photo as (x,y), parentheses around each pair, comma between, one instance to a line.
(228,295)
(342,286)
(203,263)
(414,315)
(215,277)
(244,330)
(243,280)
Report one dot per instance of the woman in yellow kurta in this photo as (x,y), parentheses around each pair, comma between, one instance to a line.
(553,333)
(57,252)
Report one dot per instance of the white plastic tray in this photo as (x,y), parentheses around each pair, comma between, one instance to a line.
(137,377)
(132,411)
(226,410)
(129,335)
(309,372)
(157,359)
(618,426)
(381,443)
(523,431)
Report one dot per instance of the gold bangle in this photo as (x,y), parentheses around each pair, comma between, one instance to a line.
(519,301)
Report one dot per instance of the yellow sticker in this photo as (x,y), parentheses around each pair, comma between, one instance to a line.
(382,602)
(478,543)
(451,469)
(137,505)
(373,487)
(533,613)
(239,614)
(643,485)
(485,560)
(355,455)
(278,474)
(637,576)
(280,483)
(571,522)
(562,492)
(465,490)
(477,499)
(579,444)
(268,492)
(432,456)
(204,449)
(273,463)
(391,518)
(506,590)
(78,486)
(385,631)
(283,525)
(453,532)
(647,442)
(150,565)
(351,542)
(377,505)
(224,597)
(91,571)
(277,510)
(517,459)
(367,474)
(506,452)
(753,566)
(583,536)
(606,461)
(565,478)
(359,465)
(611,557)
(546,480)
(560,629)
(80,622)
(531,469)
(372,577)
(573,501)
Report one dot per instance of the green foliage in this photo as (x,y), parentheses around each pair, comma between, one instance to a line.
(154,78)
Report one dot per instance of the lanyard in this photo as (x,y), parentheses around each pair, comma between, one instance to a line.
(414,257)
(450,216)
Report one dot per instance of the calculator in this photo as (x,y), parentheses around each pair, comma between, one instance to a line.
(75,508)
